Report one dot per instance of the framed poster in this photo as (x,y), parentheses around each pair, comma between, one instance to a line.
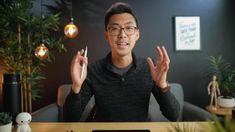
(187,33)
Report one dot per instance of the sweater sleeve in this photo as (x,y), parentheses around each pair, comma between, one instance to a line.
(76,103)
(169,105)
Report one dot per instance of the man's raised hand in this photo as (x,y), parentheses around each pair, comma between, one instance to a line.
(76,70)
(160,69)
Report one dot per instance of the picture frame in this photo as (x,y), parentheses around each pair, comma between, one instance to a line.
(187,33)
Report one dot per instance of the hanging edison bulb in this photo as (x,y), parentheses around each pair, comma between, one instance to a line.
(41,52)
(71,30)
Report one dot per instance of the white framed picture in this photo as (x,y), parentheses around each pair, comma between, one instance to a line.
(187,33)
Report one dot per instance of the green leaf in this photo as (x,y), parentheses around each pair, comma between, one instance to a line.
(224,72)
(5,118)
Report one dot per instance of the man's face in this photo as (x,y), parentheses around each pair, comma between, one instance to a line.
(122,34)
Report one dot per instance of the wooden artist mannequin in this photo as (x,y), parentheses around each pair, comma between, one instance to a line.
(213,88)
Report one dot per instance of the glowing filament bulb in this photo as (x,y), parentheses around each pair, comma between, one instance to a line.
(71,30)
(41,52)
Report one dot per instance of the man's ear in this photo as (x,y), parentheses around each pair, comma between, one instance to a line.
(106,36)
(138,35)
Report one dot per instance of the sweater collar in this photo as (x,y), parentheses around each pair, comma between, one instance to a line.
(108,61)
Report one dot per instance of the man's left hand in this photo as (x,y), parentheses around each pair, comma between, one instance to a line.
(160,69)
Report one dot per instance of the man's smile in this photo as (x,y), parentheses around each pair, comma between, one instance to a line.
(122,44)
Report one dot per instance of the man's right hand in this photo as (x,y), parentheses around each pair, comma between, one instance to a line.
(76,70)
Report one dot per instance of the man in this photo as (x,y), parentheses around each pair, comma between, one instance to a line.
(121,82)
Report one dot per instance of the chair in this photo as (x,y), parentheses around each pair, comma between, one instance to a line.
(188,111)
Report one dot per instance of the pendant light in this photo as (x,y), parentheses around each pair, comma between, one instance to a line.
(71,30)
(41,52)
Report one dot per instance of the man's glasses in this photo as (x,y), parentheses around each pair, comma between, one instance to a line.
(129,30)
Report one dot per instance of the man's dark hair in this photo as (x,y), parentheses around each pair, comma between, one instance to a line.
(118,8)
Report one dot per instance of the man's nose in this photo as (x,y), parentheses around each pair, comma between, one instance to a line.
(122,33)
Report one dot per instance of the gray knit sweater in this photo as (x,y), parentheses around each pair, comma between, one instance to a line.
(119,97)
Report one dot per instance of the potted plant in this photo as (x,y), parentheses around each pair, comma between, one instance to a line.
(224,125)
(225,74)
(5,122)
(184,127)
(21,33)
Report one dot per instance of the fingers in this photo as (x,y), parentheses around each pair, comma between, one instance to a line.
(163,58)
(166,57)
(79,56)
(159,54)
(78,60)
(151,65)
(162,54)
(162,63)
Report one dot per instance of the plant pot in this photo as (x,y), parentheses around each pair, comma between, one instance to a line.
(228,102)
(6,127)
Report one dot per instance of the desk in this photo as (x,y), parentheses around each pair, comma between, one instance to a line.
(88,127)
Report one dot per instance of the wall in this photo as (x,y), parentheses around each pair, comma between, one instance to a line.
(217,20)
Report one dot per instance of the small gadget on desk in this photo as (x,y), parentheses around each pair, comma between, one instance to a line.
(83,66)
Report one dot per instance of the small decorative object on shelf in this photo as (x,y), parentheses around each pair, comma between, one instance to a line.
(23,119)
(5,122)
(213,88)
